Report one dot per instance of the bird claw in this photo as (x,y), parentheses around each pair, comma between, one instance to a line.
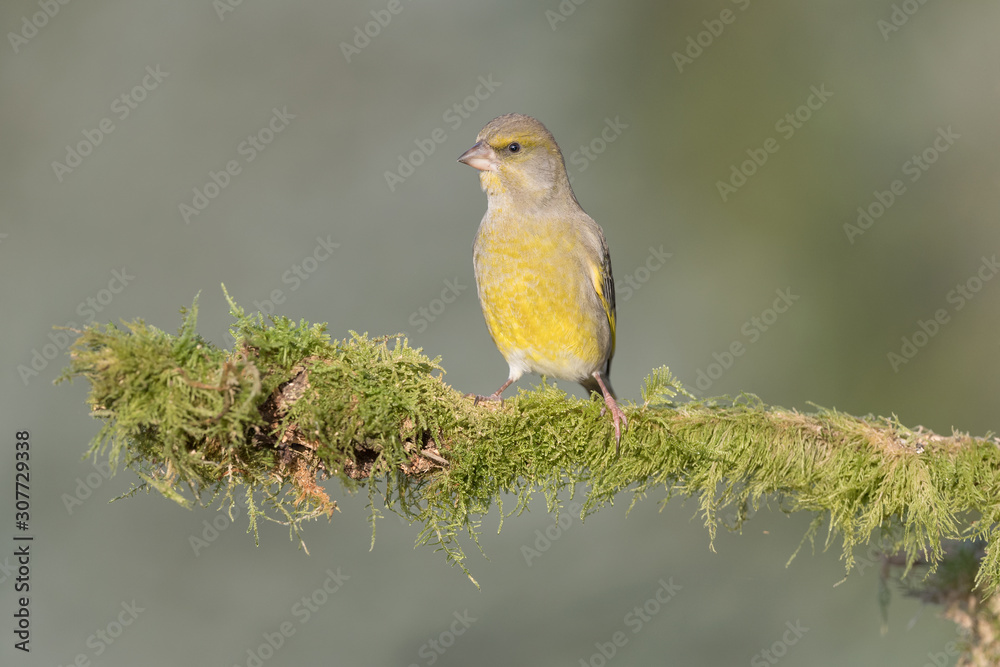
(492,398)
(477,399)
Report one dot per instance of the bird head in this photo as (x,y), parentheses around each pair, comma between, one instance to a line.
(518,158)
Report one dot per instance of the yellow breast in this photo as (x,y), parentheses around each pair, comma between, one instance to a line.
(536,286)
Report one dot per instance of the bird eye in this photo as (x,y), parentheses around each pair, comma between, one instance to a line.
(514,147)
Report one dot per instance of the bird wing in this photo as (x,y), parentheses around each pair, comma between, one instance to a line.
(604,284)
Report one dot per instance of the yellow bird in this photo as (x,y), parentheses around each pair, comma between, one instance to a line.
(543,270)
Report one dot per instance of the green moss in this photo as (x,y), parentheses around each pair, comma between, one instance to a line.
(289,406)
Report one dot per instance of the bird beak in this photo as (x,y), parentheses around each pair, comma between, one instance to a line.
(481,157)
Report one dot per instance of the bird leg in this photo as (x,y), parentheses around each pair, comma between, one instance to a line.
(617,416)
(494,397)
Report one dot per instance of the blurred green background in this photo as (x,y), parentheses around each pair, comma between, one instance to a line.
(653,104)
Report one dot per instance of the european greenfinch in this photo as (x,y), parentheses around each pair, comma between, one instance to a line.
(543,270)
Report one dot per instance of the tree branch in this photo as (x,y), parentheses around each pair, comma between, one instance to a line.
(288,407)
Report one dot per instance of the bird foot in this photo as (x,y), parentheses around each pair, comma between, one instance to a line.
(618,419)
(617,416)
(492,399)
(477,398)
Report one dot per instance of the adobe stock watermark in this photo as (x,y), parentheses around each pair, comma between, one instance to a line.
(752,330)
(122,107)
(60,340)
(583,156)
(544,539)
(630,283)
(30,27)
(786,127)
(422,317)
(899,17)
(562,12)
(365,33)
(296,275)
(212,530)
(223,7)
(434,648)
(103,638)
(302,610)
(454,116)
(957,298)
(85,486)
(7,570)
(777,650)
(714,27)
(916,166)
(635,620)
(952,649)
(249,149)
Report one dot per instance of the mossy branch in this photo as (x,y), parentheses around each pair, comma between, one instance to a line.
(288,407)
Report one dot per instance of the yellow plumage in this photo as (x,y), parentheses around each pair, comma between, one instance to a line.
(542,265)
(540,304)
